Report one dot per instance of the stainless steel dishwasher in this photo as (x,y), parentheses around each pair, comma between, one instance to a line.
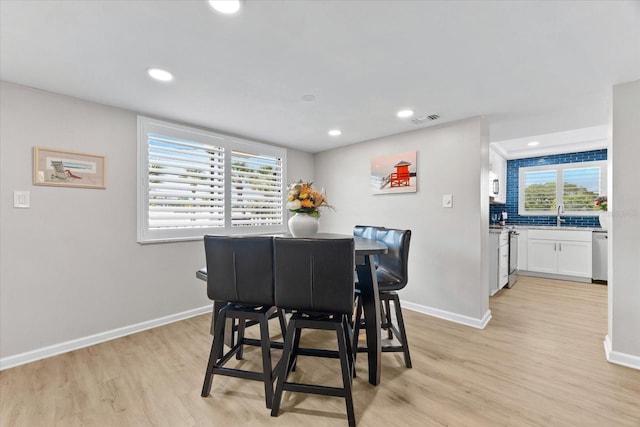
(599,253)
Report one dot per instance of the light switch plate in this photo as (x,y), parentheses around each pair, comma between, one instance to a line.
(21,199)
(447,201)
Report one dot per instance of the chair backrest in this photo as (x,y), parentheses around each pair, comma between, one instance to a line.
(366,231)
(314,275)
(240,269)
(395,261)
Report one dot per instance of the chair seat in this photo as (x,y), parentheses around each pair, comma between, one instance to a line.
(388,281)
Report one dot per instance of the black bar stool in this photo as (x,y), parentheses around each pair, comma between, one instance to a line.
(314,279)
(392,275)
(240,271)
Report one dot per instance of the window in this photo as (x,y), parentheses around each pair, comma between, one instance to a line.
(256,190)
(574,186)
(192,182)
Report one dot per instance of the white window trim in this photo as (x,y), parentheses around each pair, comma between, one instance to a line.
(147,125)
(559,168)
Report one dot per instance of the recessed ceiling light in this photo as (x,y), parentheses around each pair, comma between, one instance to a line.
(308,98)
(533,143)
(225,6)
(159,74)
(335,132)
(404,113)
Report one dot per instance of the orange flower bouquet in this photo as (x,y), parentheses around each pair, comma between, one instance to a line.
(303,198)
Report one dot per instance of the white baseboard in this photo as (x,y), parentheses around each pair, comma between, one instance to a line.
(620,358)
(555,276)
(64,347)
(447,315)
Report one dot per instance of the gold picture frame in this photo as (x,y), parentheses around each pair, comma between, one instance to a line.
(62,168)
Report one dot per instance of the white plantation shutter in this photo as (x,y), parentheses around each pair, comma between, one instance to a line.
(186,184)
(575,186)
(581,187)
(540,191)
(256,190)
(193,182)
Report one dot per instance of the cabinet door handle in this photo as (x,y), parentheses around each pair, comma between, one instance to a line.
(554,247)
(560,247)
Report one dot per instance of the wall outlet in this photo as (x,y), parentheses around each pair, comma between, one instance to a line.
(447,201)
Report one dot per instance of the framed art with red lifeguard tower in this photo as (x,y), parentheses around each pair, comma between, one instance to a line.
(395,173)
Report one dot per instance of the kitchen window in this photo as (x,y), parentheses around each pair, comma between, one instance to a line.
(193,182)
(574,186)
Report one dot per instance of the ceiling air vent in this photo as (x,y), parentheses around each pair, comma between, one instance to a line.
(420,120)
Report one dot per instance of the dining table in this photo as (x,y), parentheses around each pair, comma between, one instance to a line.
(365,252)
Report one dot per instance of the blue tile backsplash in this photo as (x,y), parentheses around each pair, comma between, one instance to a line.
(511,207)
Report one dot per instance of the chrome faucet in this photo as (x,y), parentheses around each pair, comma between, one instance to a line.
(559,220)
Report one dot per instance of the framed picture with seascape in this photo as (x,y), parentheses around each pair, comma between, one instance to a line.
(395,173)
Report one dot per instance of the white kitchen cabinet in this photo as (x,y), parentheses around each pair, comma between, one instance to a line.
(503,266)
(560,252)
(574,258)
(498,261)
(542,256)
(497,172)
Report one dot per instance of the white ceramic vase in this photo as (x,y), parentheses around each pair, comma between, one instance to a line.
(604,220)
(303,225)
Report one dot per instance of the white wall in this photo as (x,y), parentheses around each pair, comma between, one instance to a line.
(623,340)
(447,264)
(70,266)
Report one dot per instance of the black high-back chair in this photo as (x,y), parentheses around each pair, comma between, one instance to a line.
(314,279)
(240,272)
(366,231)
(392,274)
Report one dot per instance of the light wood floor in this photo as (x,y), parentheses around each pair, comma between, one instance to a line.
(539,362)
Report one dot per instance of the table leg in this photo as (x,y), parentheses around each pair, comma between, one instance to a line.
(368,285)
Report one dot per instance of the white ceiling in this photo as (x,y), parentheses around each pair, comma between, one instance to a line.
(531,68)
(591,138)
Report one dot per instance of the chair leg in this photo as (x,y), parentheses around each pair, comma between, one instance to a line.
(266,360)
(294,350)
(348,335)
(403,332)
(283,370)
(217,347)
(356,329)
(388,318)
(241,329)
(345,364)
(208,376)
(283,322)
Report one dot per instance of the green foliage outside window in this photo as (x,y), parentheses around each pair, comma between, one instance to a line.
(542,198)
(578,199)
